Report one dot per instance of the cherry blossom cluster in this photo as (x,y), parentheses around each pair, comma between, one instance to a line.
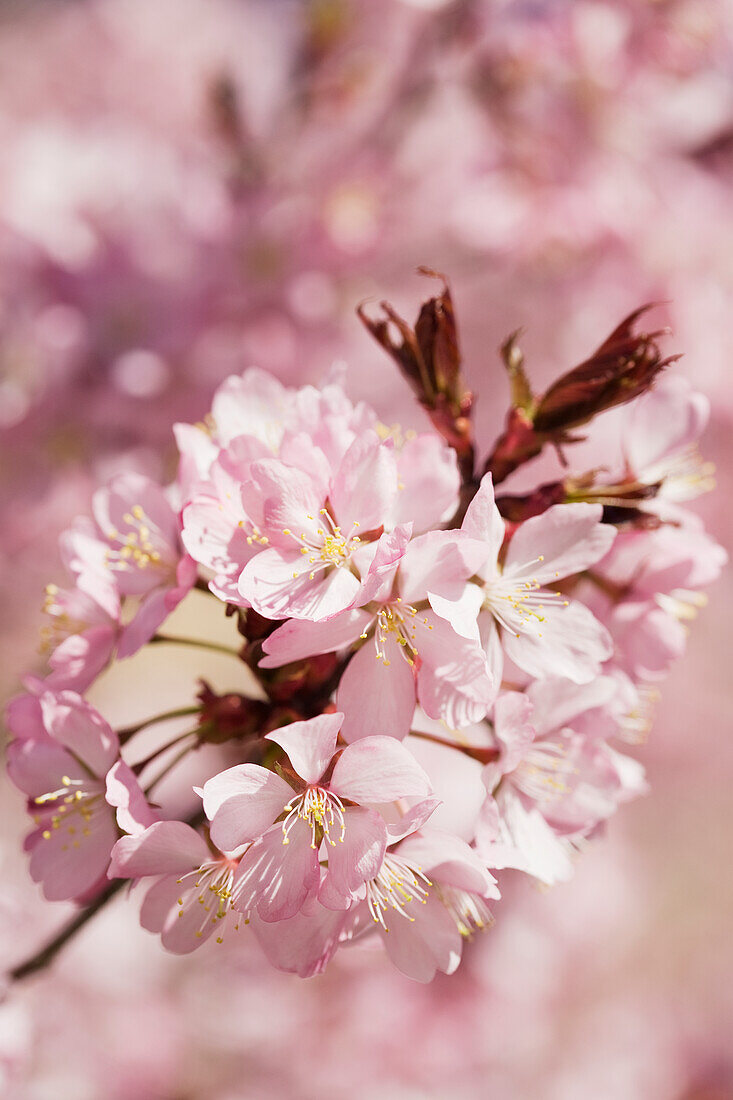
(447,675)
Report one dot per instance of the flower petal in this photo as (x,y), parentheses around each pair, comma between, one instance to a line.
(378,769)
(298,638)
(279,585)
(483,520)
(567,537)
(310,745)
(571,643)
(276,877)
(164,848)
(75,724)
(355,859)
(377,697)
(242,802)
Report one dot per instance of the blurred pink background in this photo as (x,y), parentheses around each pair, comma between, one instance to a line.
(189,187)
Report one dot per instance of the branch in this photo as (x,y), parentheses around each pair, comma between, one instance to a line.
(43,958)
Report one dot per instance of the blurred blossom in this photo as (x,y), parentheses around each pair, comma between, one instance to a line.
(192,187)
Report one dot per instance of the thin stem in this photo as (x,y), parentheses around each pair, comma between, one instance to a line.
(199,643)
(170,766)
(142,764)
(47,954)
(181,712)
(484,756)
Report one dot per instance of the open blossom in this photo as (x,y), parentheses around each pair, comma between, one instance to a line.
(82,633)
(429,894)
(409,654)
(552,783)
(136,546)
(360,598)
(321,804)
(660,442)
(191,897)
(316,529)
(542,631)
(64,763)
(648,589)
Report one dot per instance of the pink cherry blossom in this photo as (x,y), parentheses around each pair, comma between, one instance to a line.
(430,893)
(191,897)
(647,590)
(136,546)
(65,772)
(551,785)
(316,531)
(280,870)
(82,633)
(410,654)
(660,441)
(544,633)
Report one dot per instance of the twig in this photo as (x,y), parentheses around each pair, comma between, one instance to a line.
(47,954)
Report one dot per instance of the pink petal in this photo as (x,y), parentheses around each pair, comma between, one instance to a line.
(379,580)
(412,820)
(164,848)
(310,745)
(453,682)
(303,944)
(461,613)
(512,726)
(448,859)
(556,704)
(569,538)
(439,562)
(160,905)
(429,482)
(571,643)
(75,724)
(24,718)
(277,878)
(278,585)
(69,864)
(377,698)
(289,499)
(242,802)
(36,767)
(80,658)
(483,521)
(299,638)
(124,793)
(365,486)
(667,419)
(355,859)
(255,404)
(519,837)
(430,943)
(152,612)
(378,769)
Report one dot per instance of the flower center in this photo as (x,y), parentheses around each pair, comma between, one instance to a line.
(73,806)
(544,771)
(328,546)
(681,603)
(323,813)
(399,621)
(141,546)
(519,603)
(469,911)
(62,625)
(397,885)
(213,881)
